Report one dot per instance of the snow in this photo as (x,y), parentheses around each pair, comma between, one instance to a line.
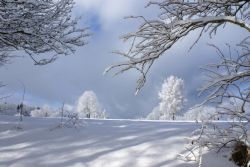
(99,143)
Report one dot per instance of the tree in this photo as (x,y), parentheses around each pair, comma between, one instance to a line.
(89,107)
(229,79)
(39,28)
(171,96)
(176,20)
(228,87)
(172,99)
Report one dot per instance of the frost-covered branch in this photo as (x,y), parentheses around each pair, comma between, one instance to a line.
(39,27)
(230,78)
(175,21)
(228,84)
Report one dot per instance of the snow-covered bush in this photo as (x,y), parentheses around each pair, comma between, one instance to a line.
(89,107)
(155,114)
(201,113)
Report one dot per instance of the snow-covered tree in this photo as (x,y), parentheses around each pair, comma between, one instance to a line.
(176,19)
(171,96)
(89,107)
(172,99)
(228,87)
(37,27)
(228,80)
(201,113)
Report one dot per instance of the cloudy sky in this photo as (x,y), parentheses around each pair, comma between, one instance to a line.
(68,77)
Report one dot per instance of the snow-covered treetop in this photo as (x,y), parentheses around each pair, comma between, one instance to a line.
(87,100)
(176,19)
(172,87)
(37,27)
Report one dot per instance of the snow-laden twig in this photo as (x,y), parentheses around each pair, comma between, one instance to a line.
(39,27)
(176,20)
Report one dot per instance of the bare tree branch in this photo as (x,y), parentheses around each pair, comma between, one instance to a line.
(175,21)
(230,77)
(39,27)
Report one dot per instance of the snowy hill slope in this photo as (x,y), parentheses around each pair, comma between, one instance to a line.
(100,143)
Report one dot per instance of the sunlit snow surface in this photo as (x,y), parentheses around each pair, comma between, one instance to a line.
(99,143)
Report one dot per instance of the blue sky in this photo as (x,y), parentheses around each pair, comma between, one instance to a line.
(68,77)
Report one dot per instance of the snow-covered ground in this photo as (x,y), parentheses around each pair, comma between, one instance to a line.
(100,143)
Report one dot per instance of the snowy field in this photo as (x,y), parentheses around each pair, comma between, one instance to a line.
(100,143)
